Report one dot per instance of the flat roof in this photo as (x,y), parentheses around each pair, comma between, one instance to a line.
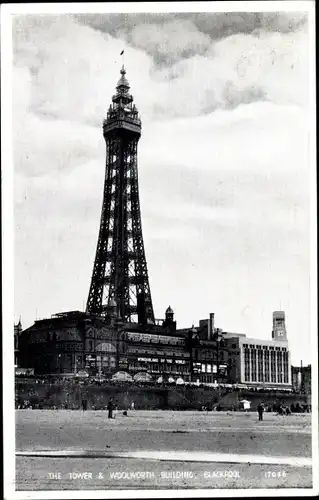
(277,343)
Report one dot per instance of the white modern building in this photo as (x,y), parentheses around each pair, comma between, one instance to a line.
(260,362)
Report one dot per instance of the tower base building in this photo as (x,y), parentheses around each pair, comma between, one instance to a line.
(80,344)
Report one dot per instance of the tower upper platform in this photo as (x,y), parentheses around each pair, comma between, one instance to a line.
(122,113)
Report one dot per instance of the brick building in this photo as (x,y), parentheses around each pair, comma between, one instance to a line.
(73,342)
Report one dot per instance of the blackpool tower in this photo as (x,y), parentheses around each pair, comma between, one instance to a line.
(120,272)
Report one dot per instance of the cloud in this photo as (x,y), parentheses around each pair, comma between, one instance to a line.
(238,70)
(64,67)
(216,25)
(171,41)
(280,139)
(67,61)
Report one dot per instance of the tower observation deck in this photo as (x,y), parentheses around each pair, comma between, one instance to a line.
(120,270)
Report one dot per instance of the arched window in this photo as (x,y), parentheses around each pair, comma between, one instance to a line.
(106,347)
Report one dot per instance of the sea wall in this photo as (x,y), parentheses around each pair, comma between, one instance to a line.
(70,395)
(97,396)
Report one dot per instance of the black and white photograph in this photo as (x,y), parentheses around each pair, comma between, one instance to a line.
(159,250)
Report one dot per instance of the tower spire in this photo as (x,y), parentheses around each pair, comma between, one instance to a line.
(122,83)
(120,270)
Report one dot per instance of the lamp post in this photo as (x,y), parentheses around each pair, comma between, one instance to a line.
(191,338)
(217,338)
(59,363)
(119,327)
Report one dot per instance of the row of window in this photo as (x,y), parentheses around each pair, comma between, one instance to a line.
(264,347)
(208,368)
(156,339)
(265,368)
(207,379)
(156,367)
(152,352)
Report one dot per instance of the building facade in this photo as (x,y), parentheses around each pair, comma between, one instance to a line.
(236,359)
(301,379)
(259,362)
(76,342)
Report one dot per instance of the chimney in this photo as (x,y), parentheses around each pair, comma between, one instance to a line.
(211,326)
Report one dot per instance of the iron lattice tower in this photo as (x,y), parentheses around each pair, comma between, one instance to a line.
(120,270)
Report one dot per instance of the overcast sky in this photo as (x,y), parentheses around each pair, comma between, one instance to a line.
(223,162)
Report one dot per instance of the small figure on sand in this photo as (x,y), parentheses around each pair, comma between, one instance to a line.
(132,405)
(110,407)
(260,410)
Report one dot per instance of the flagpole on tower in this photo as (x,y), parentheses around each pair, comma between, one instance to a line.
(122,54)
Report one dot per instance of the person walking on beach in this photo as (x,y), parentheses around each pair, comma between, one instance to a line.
(260,410)
(110,407)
